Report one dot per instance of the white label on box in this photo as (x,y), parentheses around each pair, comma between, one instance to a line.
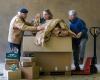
(26,59)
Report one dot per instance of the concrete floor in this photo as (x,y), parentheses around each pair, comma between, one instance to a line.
(73,77)
(79,77)
(91,77)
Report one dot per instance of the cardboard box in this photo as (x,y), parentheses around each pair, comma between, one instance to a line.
(27,64)
(28,54)
(57,52)
(55,44)
(12,55)
(30,72)
(10,62)
(27,59)
(13,75)
(49,61)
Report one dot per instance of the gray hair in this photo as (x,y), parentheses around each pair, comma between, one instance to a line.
(72,13)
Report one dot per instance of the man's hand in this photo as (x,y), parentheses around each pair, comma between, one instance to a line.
(39,28)
(79,34)
(74,35)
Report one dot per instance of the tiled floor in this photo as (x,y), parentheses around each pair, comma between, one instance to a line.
(74,77)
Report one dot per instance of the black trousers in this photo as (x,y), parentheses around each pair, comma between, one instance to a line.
(76,49)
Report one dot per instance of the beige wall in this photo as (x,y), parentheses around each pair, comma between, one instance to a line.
(87,10)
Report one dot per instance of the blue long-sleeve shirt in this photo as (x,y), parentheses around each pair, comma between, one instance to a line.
(77,25)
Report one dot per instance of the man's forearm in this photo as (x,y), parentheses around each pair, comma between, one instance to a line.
(28,23)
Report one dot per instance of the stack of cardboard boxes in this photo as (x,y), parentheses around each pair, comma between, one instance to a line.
(12,69)
(29,68)
(10,62)
(26,68)
(13,75)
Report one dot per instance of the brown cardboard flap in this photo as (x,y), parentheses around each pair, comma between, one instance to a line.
(55,44)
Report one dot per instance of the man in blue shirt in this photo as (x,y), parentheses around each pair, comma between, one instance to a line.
(78,27)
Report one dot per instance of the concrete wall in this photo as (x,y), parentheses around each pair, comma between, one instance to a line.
(88,10)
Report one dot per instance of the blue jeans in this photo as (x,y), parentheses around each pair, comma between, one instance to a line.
(82,47)
(78,50)
(13,46)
